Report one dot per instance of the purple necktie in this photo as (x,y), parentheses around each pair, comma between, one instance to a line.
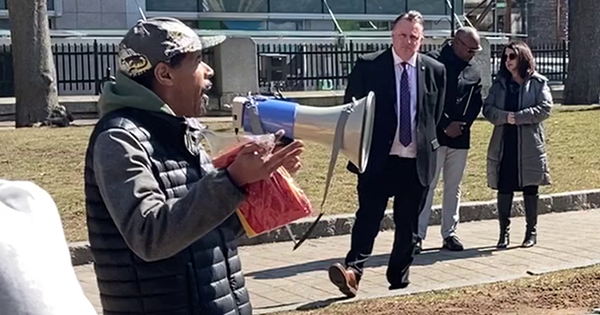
(405,127)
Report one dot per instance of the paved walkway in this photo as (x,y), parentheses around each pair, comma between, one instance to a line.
(279,279)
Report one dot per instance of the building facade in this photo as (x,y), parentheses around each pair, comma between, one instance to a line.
(548,21)
(244,15)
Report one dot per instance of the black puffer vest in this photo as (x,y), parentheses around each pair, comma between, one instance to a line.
(205,278)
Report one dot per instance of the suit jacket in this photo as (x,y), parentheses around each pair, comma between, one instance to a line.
(375,72)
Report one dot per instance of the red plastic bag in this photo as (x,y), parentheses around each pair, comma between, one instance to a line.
(271,203)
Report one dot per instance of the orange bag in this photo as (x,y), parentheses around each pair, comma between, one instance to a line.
(271,203)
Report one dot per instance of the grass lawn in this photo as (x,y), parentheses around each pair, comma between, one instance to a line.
(570,292)
(54,159)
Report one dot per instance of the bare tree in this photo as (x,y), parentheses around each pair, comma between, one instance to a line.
(34,73)
(582,85)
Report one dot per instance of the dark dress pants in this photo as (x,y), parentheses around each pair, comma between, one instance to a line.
(400,180)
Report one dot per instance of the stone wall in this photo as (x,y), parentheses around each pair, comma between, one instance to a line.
(548,21)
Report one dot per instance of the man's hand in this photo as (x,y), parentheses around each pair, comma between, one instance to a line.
(293,165)
(511,118)
(249,167)
(454,129)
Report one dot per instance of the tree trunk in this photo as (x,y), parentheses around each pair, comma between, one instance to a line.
(34,72)
(582,85)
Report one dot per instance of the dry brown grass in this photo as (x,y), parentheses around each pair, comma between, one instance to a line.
(54,159)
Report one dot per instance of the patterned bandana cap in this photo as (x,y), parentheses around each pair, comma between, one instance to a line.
(157,40)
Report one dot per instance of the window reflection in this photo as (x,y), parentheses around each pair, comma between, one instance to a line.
(391,7)
(296,6)
(348,25)
(235,5)
(347,6)
(173,6)
(434,7)
(282,25)
(320,25)
(387,6)
(228,25)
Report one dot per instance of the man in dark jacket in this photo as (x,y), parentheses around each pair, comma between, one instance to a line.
(161,219)
(462,104)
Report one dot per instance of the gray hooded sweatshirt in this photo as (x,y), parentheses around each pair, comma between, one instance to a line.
(154,226)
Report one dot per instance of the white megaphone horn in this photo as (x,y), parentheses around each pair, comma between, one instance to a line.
(351,123)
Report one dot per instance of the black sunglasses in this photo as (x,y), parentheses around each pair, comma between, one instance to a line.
(469,49)
(511,56)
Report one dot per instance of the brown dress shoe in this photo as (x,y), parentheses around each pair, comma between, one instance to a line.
(345,279)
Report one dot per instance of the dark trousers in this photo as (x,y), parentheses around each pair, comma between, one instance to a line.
(400,180)
(527,191)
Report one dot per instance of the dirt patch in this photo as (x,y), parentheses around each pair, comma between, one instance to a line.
(569,292)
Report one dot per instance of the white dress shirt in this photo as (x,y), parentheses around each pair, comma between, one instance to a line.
(397,147)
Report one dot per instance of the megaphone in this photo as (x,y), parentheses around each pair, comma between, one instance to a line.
(346,128)
(351,123)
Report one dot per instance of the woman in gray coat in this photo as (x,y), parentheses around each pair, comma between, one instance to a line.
(518,102)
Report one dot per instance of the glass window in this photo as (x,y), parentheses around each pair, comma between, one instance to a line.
(460,5)
(245,25)
(437,7)
(50,4)
(204,24)
(234,5)
(349,25)
(394,7)
(346,6)
(227,25)
(296,6)
(320,25)
(170,6)
(284,25)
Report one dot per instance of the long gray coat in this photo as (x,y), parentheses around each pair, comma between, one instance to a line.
(535,104)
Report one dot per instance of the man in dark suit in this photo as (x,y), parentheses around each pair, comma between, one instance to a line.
(409,92)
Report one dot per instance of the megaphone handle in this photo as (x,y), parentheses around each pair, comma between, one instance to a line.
(254,120)
(337,144)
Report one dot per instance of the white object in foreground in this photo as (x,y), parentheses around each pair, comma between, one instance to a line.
(36,274)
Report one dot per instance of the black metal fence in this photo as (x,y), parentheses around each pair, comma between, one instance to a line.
(551,60)
(301,67)
(291,67)
(7,86)
(79,67)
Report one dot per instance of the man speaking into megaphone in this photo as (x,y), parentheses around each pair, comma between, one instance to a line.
(409,90)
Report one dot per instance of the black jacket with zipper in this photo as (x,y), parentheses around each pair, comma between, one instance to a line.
(205,278)
(463,96)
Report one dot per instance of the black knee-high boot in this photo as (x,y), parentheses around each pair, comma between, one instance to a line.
(531,214)
(504,206)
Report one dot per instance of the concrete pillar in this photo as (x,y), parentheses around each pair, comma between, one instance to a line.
(236,69)
(483,61)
